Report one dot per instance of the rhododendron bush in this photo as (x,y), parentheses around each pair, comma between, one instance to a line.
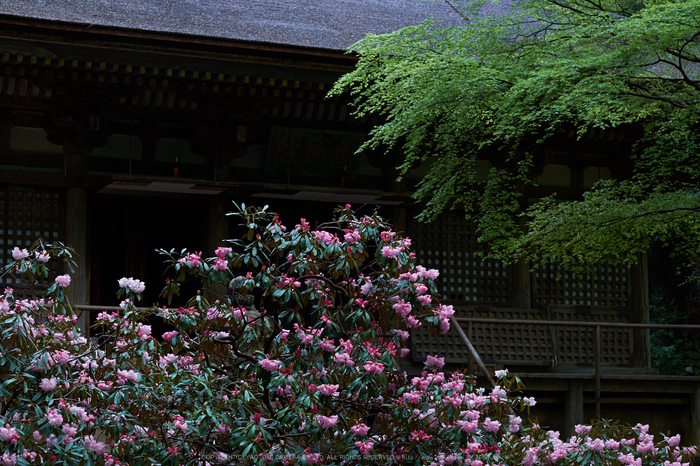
(299,363)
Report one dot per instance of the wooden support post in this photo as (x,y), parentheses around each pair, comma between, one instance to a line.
(521,280)
(520,273)
(695,416)
(398,220)
(597,372)
(217,235)
(639,301)
(76,237)
(573,407)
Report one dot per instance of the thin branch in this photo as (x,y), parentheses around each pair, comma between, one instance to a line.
(650,214)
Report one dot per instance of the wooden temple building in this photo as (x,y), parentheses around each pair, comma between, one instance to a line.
(130,125)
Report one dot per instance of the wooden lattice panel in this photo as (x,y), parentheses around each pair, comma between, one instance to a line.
(495,343)
(576,345)
(25,216)
(607,286)
(449,244)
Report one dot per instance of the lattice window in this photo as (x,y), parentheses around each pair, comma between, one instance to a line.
(607,286)
(25,216)
(449,244)
(576,345)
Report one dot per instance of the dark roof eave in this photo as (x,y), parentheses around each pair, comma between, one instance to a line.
(98,33)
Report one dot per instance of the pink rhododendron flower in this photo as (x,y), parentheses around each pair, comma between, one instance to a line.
(270,365)
(167,336)
(220,264)
(8,459)
(596,445)
(402,308)
(9,434)
(42,256)
(352,236)
(327,389)
(514,423)
(222,252)
(434,361)
(94,445)
(239,312)
(124,376)
(374,367)
(19,254)
(54,417)
(412,322)
(425,299)
(612,444)
(366,287)
(645,447)
(491,426)
(144,332)
(326,345)
(344,358)
(467,426)
(387,235)
(412,397)
(388,251)
(629,460)
(48,384)
(323,236)
(421,288)
(365,447)
(136,286)
(431,274)
(63,280)
(674,441)
(581,429)
(360,429)
(326,421)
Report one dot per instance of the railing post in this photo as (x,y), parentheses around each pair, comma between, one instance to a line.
(470,361)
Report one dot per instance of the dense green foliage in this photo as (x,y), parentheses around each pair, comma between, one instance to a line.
(504,86)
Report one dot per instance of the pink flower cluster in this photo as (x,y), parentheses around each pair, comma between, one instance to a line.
(63,280)
(136,286)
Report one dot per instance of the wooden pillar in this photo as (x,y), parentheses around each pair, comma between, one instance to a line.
(521,279)
(218,232)
(217,235)
(76,237)
(521,286)
(573,407)
(398,221)
(694,416)
(639,302)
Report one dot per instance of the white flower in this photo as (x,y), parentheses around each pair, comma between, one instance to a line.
(19,254)
(501,373)
(136,286)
